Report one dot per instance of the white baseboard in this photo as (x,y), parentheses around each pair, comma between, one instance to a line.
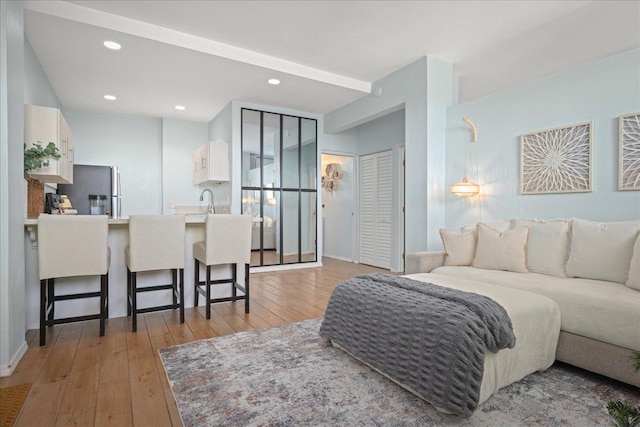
(7,370)
(279,267)
(341,258)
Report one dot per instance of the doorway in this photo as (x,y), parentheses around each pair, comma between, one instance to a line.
(338,195)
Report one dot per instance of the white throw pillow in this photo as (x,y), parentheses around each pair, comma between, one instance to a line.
(502,225)
(501,251)
(460,247)
(547,245)
(633,281)
(601,250)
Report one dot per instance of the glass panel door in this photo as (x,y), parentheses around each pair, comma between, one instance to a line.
(279,161)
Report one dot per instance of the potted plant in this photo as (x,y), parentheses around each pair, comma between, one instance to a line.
(36,157)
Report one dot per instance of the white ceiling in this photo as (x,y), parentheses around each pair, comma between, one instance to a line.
(203,54)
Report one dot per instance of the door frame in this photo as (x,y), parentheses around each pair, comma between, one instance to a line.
(400,238)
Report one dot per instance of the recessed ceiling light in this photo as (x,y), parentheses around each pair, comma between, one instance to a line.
(110,97)
(180,107)
(112,45)
(273,81)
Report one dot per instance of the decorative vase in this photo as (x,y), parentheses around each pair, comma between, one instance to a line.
(35,197)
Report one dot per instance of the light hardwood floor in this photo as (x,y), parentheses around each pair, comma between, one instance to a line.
(82,379)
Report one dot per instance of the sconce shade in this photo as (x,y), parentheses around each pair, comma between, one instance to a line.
(465,188)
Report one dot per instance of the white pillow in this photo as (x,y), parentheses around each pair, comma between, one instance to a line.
(601,250)
(501,251)
(267,221)
(547,245)
(633,281)
(460,247)
(502,225)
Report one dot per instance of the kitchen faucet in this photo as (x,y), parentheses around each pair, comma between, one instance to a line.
(211,208)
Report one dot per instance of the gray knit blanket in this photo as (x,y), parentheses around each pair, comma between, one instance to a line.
(429,338)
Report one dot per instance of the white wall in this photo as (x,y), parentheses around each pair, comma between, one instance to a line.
(424,89)
(598,92)
(12,187)
(383,134)
(131,142)
(220,128)
(179,140)
(37,88)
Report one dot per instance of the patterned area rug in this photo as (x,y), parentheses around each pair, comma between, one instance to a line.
(290,376)
(11,400)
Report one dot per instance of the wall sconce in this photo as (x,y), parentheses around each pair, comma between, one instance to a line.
(466,188)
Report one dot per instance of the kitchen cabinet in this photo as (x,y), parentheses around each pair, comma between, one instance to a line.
(44,125)
(211,163)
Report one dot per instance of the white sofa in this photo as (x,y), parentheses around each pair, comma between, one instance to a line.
(591,270)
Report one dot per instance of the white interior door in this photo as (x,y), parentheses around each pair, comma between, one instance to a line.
(337,209)
(375,209)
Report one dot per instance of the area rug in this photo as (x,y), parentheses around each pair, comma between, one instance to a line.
(11,400)
(290,376)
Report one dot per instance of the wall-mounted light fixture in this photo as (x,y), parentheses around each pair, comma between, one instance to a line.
(466,188)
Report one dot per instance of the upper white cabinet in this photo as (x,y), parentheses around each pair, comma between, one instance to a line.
(44,125)
(211,163)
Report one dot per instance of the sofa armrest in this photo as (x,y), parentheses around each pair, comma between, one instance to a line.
(423,262)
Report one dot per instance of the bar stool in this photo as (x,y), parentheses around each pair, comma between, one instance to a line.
(227,241)
(156,242)
(71,246)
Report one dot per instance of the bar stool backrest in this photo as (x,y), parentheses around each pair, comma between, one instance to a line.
(228,239)
(156,242)
(72,245)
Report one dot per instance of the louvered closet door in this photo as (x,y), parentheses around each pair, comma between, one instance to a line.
(375,209)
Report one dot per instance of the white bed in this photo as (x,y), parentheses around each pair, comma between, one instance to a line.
(536,324)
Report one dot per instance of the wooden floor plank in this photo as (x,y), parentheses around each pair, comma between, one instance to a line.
(114,403)
(83,379)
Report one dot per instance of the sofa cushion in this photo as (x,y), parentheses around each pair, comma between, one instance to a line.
(603,311)
(547,245)
(501,251)
(633,281)
(601,250)
(460,247)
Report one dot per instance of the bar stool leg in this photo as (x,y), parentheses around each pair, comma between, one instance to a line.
(134,302)
(43,310)
(174,283)
(103,301)
(182,295)
(128,292)
(208,286)
(196,282)
(106,295)
(234,280)
(246,288)
(51,299)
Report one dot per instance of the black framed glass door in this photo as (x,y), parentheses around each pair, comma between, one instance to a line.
(279,188)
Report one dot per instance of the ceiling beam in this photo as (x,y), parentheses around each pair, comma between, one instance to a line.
(73,12)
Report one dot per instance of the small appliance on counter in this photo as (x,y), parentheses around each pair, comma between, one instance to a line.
(95,191)
(58,204)
(97,204)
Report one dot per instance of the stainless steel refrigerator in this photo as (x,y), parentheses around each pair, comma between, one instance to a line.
(98,180)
